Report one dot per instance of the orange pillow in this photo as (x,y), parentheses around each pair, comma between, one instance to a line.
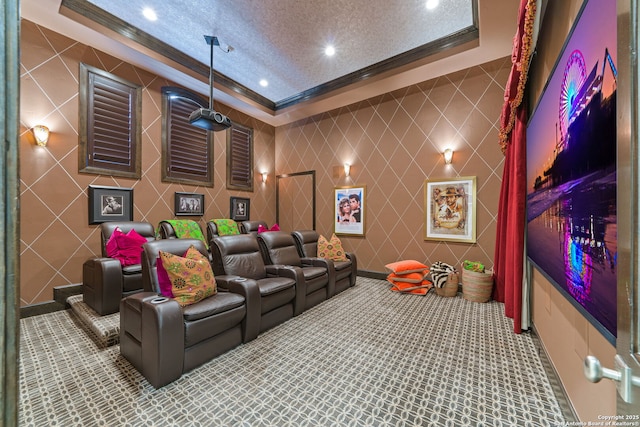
(412,288)
(331,249)
(191,279)
(407,266)
(406,278)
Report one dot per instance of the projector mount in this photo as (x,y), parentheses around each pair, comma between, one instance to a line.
(208,118)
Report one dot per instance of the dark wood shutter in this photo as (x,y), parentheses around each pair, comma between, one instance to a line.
(240,158)
(110,130)
(187,150)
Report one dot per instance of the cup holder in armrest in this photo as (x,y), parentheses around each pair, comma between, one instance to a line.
(159,300)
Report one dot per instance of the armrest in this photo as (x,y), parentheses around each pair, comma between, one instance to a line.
(354,267)
(162,340)
(102,284)
(248,288)
(296,274)
(331,271)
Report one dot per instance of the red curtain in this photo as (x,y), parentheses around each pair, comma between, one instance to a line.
(509,254)
(508,264)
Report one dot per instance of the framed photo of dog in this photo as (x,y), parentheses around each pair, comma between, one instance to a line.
(450,209)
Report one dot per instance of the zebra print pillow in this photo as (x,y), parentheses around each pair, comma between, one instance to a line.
(440,273)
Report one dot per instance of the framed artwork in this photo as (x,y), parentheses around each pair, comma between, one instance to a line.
(572,170)
(349,213)
(239,209)
(189,204)
(450,209)
(110,204)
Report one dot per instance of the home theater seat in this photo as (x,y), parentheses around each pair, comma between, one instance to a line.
(279,289)
(278,247)
(345,271)
(106,280)
(163,339)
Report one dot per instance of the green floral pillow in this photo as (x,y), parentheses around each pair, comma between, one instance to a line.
(226,227)
(331,249)
(191,277)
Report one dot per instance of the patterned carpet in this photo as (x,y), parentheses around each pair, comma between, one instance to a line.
(367,357)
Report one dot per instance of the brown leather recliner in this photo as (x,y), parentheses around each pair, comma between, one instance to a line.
(278,247)
(345,271)
(163,340)
(104,280)
(279,289)
(251,227)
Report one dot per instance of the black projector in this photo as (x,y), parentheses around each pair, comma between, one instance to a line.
(206,118)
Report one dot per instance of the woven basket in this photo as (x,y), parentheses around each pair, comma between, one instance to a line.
(476,286)
(450,288)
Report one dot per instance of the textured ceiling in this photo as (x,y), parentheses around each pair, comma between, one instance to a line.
(380,45)
(283,41)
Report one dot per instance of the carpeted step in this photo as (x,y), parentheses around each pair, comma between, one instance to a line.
(105,330)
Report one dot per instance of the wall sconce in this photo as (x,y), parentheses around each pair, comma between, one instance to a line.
(264,176)
(41,134)
(347,169)
(448,156)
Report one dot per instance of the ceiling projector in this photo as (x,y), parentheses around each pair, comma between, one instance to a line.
(209,119)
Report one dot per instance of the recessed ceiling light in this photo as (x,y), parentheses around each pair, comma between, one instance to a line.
(264,83)
(330,50)
(432,4)
(149,13)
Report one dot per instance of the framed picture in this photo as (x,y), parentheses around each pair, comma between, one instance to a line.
(110,204)
(450,209)
(189,204)
(349,213)
(572,171)
(239,209)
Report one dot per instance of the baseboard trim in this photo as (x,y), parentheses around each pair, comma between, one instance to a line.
(562,397)
(372,274)
(59,302)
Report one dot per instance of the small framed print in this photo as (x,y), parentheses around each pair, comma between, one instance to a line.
(189,204)
(349,213)
(450,209)
(239,209)
(110,204)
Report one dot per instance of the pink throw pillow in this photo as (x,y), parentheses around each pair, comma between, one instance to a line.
(163,279)
(112,243)
(130,246)
(126,248)
(262,228)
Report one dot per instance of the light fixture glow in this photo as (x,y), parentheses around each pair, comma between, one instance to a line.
(41,134)
(347,169)
(264,83)
(149,13)
(330,50)
(264,176)
(448,156)
(432,4)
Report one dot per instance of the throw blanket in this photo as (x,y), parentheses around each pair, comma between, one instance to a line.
(187,229)
(226,227)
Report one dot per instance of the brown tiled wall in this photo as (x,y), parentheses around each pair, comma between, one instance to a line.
(54,232)
(394,142)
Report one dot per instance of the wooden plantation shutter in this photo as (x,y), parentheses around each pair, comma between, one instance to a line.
(240,158)
(187,150)
(110,129)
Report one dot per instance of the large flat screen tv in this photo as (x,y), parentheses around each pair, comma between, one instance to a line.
(571,170)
